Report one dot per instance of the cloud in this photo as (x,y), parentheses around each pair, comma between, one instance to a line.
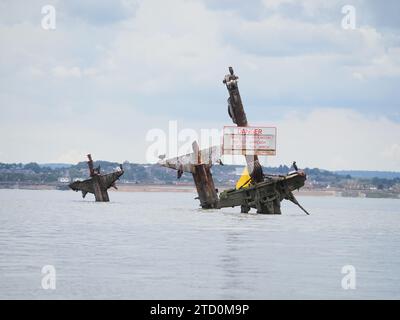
(62,72)
(166,46)
(70,156)
(275,4)
(392,153)
(132,65)
(385,65)
(339,139)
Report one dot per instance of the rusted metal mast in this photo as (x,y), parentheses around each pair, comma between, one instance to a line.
(199,165)
(238,116)
(100,191)
(204,182)
(98,184)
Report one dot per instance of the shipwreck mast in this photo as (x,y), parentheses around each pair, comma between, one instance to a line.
(100,190)
(204,181)
(238,116)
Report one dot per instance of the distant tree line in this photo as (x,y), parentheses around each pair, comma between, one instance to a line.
(154,174)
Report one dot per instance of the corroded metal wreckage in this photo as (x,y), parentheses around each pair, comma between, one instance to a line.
(262,192)
(199,164)
(265,196)
(98,184)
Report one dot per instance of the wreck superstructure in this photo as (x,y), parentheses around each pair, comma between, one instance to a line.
(262,192)
(98,184)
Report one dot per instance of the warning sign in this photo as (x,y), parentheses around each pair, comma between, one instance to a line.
(249,141)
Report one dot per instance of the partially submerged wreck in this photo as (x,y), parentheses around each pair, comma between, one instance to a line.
(98,184)
(260,191)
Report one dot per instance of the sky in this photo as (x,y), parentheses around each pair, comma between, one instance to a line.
(111,71)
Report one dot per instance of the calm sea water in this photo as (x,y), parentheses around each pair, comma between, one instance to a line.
(160,246)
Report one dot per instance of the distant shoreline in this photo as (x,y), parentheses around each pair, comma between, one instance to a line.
(187,188)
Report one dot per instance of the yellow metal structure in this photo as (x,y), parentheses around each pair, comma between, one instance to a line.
(244,180)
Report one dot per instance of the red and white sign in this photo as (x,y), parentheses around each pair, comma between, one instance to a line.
(249,141)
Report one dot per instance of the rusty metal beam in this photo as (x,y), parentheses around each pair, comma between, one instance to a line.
(238,116)
(203,180)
